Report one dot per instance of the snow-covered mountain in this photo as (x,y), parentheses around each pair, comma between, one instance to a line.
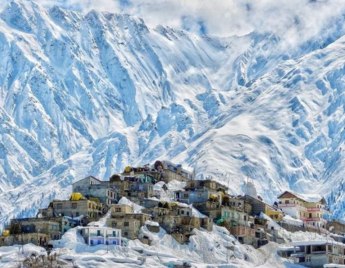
(87,94)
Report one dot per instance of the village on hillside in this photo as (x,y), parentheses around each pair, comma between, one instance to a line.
(167,196)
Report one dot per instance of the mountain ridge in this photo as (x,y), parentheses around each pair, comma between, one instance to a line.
(88,94)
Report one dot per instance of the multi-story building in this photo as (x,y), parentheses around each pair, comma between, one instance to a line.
(179,219)
(245,228)
(336,226)
(160,171)
(258,206)
(318,253)
(198,191)
(73,208)
(238,203)
(170,171)
(124,218)
(311,212)
(205,184)
(49,226)
(69,222)
(93,187)
(95,235)
(292,205)
(118,210)
(136,187)
(209,208)
(37,238)
(196,196)
(235,217)
(244,234)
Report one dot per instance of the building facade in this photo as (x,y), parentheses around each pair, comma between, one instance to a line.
(93,187)
(123,217)
(51,227)
(95,235)
(317,253)
(310,212)
(73,208)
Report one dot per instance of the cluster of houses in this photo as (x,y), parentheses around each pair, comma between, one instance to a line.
(144,197)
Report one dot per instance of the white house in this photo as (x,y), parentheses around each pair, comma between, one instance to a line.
(95,235)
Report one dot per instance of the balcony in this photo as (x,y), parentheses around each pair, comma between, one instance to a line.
(314,209)
(314,219)
(287,205)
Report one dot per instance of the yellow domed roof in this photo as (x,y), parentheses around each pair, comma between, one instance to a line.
(6,233)
(76,196)
(128,169)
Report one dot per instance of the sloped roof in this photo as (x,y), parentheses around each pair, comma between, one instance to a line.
(306,198)
(87,178)
(288,194)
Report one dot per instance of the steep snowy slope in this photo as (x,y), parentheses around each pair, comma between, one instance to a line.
(90,93)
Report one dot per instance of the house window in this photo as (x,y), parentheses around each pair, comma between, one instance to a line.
(125,233)
(187,213)
(307,259)
(117,209)
(126,223)
(113,224)
(74,205)
(77,214)
(182,212)
(286,201)
(59,206)
(114,233)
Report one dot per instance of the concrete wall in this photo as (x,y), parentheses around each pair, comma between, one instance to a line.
(239,217)
(105,194)
(198,196)
(38,225)
(39,239)
(120,210)
(129,227)
(77,208)
(86,181)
